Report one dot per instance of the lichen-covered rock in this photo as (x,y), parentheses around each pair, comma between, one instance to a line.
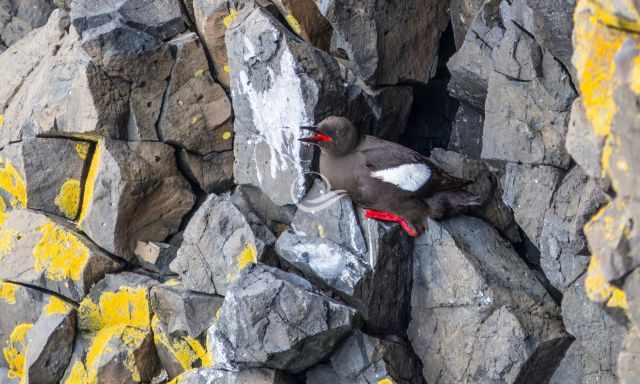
(196,112)
(362,359)
(47,254)
(220,376)
(50,343)
(478,314)
(275,319)
(217,244)
(584,146)
(18,18)
(213,173)
(134,192)
(13,189)
(115,343)
(212,18)
(370,32)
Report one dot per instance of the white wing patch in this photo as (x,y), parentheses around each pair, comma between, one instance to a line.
(409,177)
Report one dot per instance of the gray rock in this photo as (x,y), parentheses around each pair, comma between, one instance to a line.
(584,146)
(278,320)
(370,32)
(218,243)
(155,256)
(253,203)
(477,313)
(212,19)
(462,13)
(362,359)
(632,291)
(629,359)
(527,106)
(466,131)
(528,190)
(279,84)
(563,247)
(196,113)
(599,338)
(50,347)
(18,18)
(248,376)
(213,173)
(48,254)
(391,108)
(134,193)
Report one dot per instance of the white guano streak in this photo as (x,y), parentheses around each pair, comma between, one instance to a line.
(278,112)
(409,177)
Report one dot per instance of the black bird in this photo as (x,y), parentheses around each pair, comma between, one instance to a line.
(393,183)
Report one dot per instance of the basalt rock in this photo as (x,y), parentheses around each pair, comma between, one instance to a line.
(18,18)
(584,146)
(212,173)
(275,319)
(466,131)
(257,206)
(478,313)
(629,359)
(248,376)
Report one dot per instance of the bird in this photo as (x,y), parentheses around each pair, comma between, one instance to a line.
(391,182)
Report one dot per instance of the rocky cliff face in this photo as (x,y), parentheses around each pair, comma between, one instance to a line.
(155,221)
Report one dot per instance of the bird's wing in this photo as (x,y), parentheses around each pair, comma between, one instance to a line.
(406,169)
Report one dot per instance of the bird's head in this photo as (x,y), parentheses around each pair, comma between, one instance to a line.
(334,135)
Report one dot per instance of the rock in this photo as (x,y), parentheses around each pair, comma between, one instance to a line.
(115,342)
(213,173)
(134,192)
(477,313)
(391,108)
(387,42)
(253,203)
(528,190)
(563,247)
(50,343)
(247,376)
(17,19)
(462,13)
(196,113)
(155,256)
(362,359)
(13,189)
(584,146)
(212,19)
(592,357)
(632,290)
(527,106)
(268,77)
(47,254)
(278,320)
(472,64)
(629,359)
(218,243)
(466,131)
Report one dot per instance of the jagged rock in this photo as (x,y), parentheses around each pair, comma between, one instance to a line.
(247,376)
(472,64)
(370,32)
(18,18)
(275,319)
(528,190)
(527,107)
(562,244)
(218,243)
(279,84)
(632,290)
(196,114)
(362,359)
(134,193)
(478,314)
(47,254)
(13,189)
(155,256)
(462,13)
(391,107)
(212,19)
(629,359)
(485,185)
(599,337)
(115,343)
(213,173)
(50,343)
(466,131)
(584,146)
(256,205)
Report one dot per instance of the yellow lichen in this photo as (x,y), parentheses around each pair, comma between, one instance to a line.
(196,119)
(60,253)
(56,306)
(82,149)
(608,13)
(172,282)
(598,288)
(68,199)
(200,72)
(8,292)
(12,182)
(233,13)
(386,380)
(8,238)
(15,351)
(79,375)
(294,24)
(1,120)
(321,231)
(226,135)
(226,69)
(90,183)
(249,255)
(186,350)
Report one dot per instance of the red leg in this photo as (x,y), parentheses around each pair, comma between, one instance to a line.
(388,216)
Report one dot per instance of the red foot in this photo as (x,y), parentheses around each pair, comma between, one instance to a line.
(388,216)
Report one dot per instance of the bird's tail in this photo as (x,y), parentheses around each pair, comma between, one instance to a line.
(451,203)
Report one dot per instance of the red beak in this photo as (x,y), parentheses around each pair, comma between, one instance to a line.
(317,137)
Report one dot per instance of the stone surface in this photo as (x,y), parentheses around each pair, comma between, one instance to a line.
(134,193)
(629,359)
(218,243)
(466,131)
(247,376)
(362,359)
(462,13)
(155,256)
(477,313)
(584,146)
(257,206)
(47,254)
(196,113)
(369,32)
(275,319)
(212,173)
(18,18)
(212,19)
